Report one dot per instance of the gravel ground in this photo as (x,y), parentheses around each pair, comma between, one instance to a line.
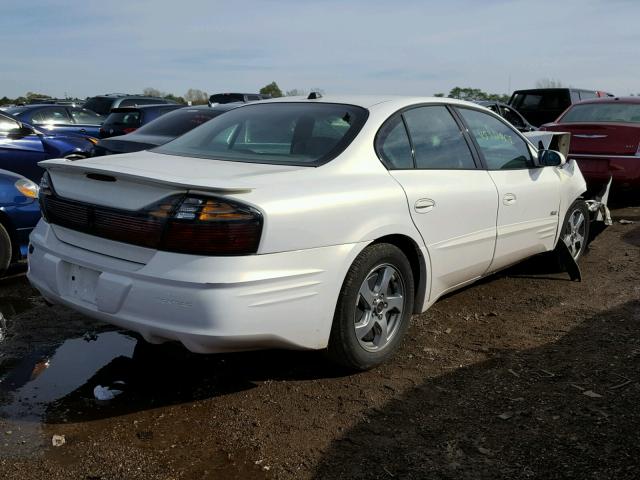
(523,375)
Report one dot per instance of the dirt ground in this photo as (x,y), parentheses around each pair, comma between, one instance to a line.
(523,375)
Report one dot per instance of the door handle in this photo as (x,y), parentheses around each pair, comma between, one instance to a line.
(424,205)
(509,199)
(82,130)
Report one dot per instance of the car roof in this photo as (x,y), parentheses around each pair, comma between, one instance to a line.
(174,106)
(611,100)
(368,101)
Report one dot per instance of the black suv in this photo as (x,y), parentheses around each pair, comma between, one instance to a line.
(103,104)
(544,105)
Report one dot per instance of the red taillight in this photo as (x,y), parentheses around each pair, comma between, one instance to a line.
(213,226)
(129,130)
(196,225)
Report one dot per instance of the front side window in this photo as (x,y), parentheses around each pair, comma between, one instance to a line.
(8,125)
(392,144)
(275,133)
(502,148)
(438,142)
(53,115)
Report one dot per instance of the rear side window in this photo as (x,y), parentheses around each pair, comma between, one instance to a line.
(502,148)
(278,133)
(392,144)
(53,115)
(124,119)
(587,95)
(438,142)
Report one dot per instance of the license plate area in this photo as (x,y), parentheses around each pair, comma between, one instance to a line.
(82,283)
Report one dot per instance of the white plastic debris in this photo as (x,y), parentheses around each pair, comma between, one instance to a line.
(105,393)
(58,440)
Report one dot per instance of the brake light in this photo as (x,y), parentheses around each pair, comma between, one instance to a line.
(129,130)
(191,224)
(213,226)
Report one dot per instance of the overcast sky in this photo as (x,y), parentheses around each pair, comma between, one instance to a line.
(83,48)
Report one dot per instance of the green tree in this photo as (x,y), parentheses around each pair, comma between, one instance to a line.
(271,89)
(468,93)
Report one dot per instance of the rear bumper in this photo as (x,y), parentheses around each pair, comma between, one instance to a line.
(625,170)
(210,304)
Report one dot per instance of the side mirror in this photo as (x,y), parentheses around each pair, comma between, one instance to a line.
(551,158)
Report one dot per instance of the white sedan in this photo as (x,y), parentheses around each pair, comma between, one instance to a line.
(307,223)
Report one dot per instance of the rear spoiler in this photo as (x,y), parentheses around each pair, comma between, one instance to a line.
(63,164)
(558,141)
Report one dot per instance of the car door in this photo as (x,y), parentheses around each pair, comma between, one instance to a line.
(85,122)
(20,152)
(452,201)
(529,195)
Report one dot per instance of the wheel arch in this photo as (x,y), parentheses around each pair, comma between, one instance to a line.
(418,263)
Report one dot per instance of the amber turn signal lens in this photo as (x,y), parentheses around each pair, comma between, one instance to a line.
(27,188)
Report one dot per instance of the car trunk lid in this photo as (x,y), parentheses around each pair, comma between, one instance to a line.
(601,139)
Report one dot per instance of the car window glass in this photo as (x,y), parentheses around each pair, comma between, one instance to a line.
(512,117)
(278,133)
(502,148)
(53,115)
(8,125)
(437,140)
(603,112)
(82,115)
(392,144)
(127,119)
(587,95)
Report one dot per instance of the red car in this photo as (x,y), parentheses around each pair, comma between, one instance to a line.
(605,139)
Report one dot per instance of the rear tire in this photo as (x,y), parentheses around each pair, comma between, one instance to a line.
(374,308)
(6,249)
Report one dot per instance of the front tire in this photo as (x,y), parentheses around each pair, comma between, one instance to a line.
(575,229)
(374,308)
(6,249)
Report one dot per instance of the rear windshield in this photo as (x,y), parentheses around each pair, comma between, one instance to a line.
(101,105)
(603,112)
(125,119)
(181,121)
(276,133)
(553,100)
(227,98)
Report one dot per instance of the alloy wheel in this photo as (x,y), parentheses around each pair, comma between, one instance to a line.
(379,307)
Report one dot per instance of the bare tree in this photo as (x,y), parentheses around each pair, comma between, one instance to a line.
(549,83)
(196,96)
(295,92)
(153,92)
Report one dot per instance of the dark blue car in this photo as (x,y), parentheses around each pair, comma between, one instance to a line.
(56,118)
(23,146)
(19,214)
